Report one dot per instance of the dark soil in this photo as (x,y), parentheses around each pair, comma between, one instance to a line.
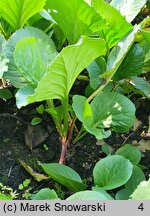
(82,156)
(13,127)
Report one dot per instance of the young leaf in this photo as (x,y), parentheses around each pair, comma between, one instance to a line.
(13,73)
(129,9)
(136,178)
(16,13)
(75,18)
(56,112)
(132,64)
(64,70)
(108,110)
(107,149)
(130,152)
(64,175)
(87,195)
(117,26)
(112,172)
(45,194)
(36,121)
(142,192)
(40,109)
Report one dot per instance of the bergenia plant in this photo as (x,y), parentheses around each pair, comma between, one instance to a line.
(95,36)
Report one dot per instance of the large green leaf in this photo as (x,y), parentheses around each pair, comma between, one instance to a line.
(136,178)
(141,84)
(132,64)
(119,52)
(45,194)
(75,18)
(129,8)
(16,13)
(64,175)
(87,195)
(64,70)
(32,57)
(107,110)
(130,152)
(13,74)
(112,172)
(84,113)
(117,26)
(142,192)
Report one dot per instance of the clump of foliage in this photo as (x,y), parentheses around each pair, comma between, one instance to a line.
(88,37)
(43,52)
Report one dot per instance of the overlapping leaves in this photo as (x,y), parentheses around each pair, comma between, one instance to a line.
(75,18)
(117,26)
(64,70)
(107,110)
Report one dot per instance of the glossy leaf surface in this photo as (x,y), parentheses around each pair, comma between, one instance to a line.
(75,18)
(117,26)
(64,175)
(112,172)
(13,74)
(107,110)
(18,12)
(64,70)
